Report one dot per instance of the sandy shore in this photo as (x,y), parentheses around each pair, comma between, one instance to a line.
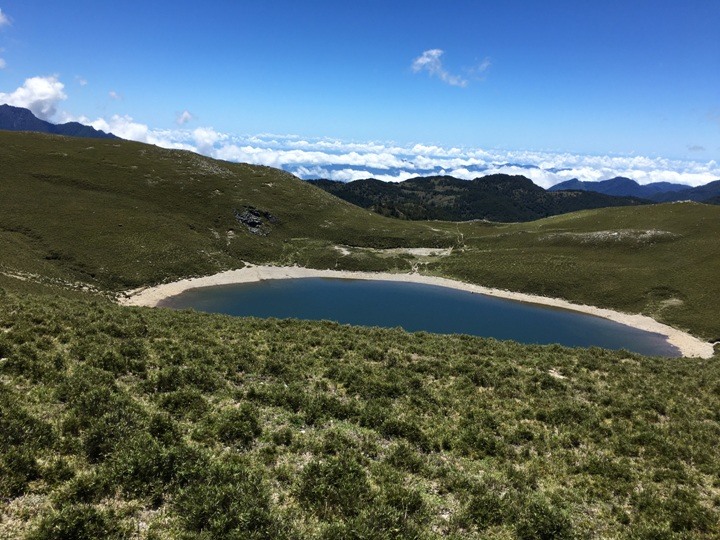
(686,343)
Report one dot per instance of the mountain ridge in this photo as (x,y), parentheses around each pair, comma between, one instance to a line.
(620,186)
(20,119)
(656,191)
(708,193)
(496,197)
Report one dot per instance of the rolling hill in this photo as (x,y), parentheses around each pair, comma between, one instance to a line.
(499,197)
(119,422)
(147,215)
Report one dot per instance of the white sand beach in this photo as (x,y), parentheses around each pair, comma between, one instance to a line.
(689,345)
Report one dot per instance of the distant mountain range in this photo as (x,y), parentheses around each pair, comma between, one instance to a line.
(20,119)
(655,192)
(498,197)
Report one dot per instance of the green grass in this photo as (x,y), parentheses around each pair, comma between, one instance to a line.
(138,423)
(118,421)
(118,214)
(607,258)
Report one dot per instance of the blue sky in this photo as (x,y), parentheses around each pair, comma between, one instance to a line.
(618,78)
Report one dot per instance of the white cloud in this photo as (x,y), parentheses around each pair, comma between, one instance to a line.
(124,127)
(3,64)
(346,161)
(431,62)
(482,66)
(114,95)
(39,94)
(478,71)
(352,160)
(81,80)
(205,138)
(4,21)
(184,117)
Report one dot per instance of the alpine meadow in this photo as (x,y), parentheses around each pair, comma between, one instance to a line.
(122,422)
(280,270)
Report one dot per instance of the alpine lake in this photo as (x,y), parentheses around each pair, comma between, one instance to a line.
(418,307)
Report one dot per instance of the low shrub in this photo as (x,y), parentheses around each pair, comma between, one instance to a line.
(57,471)
(237,426)
(81,522)
(18,427)
(18,467)
(87,488)
(489,505)
(408,502)
(283,437)
(541,519)
(185,403)
(403,456)
(337,486)
(102,435)
(145,468)
(378,521)
(229,500)
(163,428)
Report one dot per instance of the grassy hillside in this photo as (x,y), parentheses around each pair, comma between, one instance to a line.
(137,423)
(125,423)
(658,260)
(117,214)
(120,214)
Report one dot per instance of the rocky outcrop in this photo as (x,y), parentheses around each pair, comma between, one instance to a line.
(257,221)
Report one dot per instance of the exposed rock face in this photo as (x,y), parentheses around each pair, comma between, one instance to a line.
(257,221)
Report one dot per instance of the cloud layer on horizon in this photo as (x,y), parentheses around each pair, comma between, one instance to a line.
(346,161)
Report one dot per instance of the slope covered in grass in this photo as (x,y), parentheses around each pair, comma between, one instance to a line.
(136,423)
(120,214)
(117,214)
(123,422)
(661,260)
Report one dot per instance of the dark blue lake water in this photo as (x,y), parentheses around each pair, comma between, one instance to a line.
(419,307)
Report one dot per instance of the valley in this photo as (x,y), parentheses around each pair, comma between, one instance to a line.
(135,422)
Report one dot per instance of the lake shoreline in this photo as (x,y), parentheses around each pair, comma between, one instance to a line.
(688,345)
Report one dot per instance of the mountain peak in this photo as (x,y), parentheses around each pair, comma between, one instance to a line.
(620,186)
(20,119)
